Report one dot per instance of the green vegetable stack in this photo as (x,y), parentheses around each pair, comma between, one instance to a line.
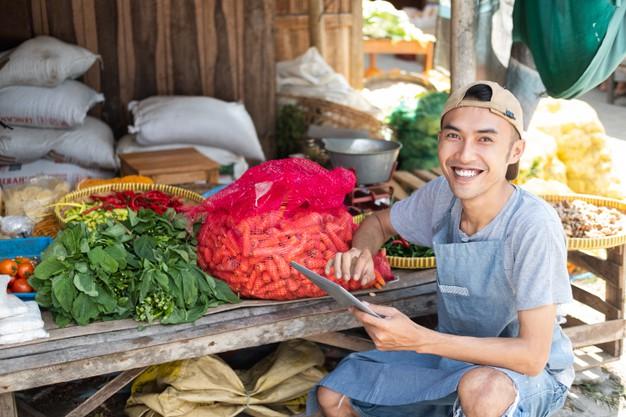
(143,267)
(396,246)
(417,131)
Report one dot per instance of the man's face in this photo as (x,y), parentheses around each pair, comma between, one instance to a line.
(475,149)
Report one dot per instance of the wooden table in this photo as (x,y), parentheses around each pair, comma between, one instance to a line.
(387,46)
(105,347)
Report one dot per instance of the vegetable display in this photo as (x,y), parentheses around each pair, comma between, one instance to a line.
(417,130)
(143,267)
(396,246)
(381,20)
(585,220)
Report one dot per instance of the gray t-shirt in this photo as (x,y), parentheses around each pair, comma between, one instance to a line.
(535,253)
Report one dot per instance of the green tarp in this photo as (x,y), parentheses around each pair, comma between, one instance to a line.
(576,44)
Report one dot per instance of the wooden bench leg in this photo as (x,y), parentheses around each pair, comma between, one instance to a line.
(615,292)
(344,341)
(7,405)
(105,393)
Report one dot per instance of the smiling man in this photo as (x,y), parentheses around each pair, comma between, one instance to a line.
(498,349)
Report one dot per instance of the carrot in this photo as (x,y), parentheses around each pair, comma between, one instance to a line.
(283,267)
(339,244)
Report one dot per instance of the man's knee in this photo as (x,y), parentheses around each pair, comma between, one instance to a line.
(486,392)
(333,404)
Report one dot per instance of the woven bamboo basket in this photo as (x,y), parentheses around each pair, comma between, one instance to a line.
(82,195)
(592,243)
(402,262)
(327,113)
(397,76)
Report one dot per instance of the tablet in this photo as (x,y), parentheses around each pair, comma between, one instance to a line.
(340,294)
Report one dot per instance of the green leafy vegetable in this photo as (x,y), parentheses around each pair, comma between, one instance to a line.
(143,267)
(396,246)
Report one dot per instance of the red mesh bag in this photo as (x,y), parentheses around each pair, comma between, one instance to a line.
(280,211)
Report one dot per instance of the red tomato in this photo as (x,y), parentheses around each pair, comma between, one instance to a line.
(21,285)
(8,267)
(25,269)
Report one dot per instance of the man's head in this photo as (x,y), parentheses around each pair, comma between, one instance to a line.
(479,142)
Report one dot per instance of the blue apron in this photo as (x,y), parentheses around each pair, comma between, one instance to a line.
(475,298)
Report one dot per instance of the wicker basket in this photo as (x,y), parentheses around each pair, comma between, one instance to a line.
(82,195)
(575,243)
(397,76)
(327,113)
(402,262)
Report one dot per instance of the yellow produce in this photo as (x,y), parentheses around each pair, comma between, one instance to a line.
(581,145)
(540,159)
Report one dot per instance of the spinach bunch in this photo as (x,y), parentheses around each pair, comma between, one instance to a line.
(143,267)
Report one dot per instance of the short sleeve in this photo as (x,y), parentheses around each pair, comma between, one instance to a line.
(413,217)
(539,273)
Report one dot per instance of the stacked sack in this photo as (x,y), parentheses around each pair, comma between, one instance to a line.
(44,112)
(19,321)
(222,131)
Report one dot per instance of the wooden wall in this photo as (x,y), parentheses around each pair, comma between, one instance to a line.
(342,26)
(218,48)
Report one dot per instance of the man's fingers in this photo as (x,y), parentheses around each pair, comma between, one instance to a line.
(346,266)
(360,266)
(329,266)
(384,310)
(338,265)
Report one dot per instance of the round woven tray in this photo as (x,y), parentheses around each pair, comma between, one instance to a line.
(83,195)
(576,243)
(402,262)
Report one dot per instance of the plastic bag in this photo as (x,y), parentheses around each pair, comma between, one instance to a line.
(35,197)
(281,211)
(16,226)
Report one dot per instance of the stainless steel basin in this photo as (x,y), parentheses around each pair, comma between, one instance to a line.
(372,159)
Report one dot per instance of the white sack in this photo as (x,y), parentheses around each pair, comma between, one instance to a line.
(23,337)
(310,76)
(70,173)
(46,62)
(10,305)
(128,144)
(61,107)
(206,121)
(26,322)
(90,145)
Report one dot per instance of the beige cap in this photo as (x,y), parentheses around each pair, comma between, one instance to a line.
(502,103)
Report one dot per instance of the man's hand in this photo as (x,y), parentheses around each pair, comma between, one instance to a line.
(395,331)
(355,264)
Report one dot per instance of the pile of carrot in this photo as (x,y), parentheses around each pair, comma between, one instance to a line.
(253,255)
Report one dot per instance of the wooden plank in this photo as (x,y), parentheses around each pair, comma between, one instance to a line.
(356,45)
(226,336)
(594,301)
(615,294)
(317,32)
(591,357)
(186,73)
(59,21)
(603,269)
(7,405)
(407,180)
(16,22)
(437,171)
(260,70)
(425,175)
(145,32)
(386,46)
(104,393)
(113,331)
(344,341)
(593,334)
(398,191)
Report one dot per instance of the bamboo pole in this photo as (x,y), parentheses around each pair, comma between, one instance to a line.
(462,51)
(316,24)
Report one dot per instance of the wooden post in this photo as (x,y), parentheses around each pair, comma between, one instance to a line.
(316,24)
(462,53)
(7,405)
(615,291)
(356,45)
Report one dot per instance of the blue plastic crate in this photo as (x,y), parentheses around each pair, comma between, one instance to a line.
(30,247)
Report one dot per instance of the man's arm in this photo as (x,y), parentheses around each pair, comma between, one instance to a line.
(527,354)
(358,263)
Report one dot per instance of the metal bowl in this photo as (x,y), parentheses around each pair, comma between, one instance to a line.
(372,159)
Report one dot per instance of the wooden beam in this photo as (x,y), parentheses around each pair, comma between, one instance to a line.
(615,293)
(316,25)
(425,175)
(344,341)
(356,45)
(398,191)
(603,269)
(7,405)
(409,181)
(25,410)
(593,334)
(104,393)
(593,301)
(462,48)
